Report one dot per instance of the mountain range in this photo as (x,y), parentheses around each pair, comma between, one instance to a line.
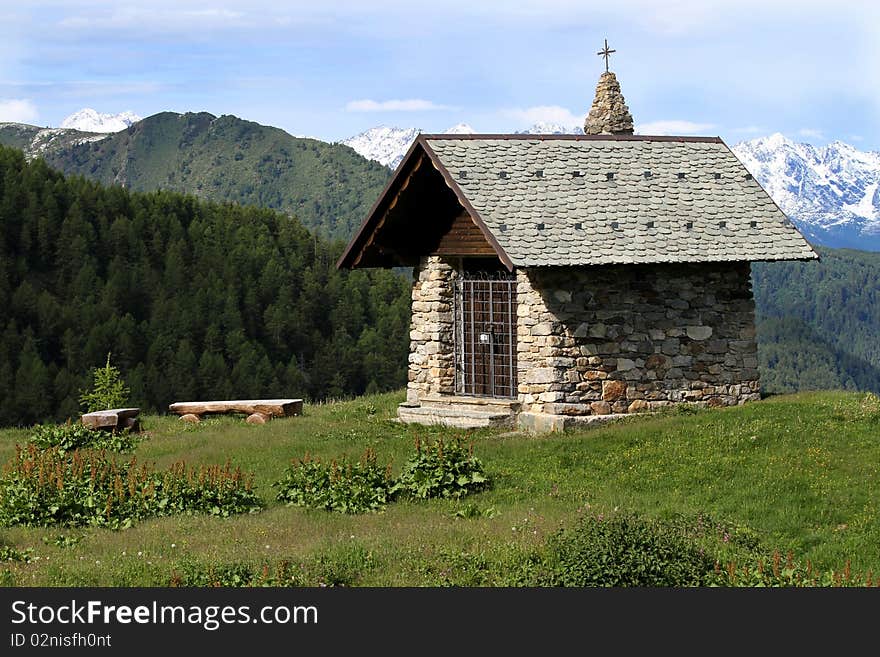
(831,193)
(329,187)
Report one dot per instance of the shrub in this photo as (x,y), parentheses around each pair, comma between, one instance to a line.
(343,486)
(52,487)
(71,436)
(441,470)
(623,550)
(108,390)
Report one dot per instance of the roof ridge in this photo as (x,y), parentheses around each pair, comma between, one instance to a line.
(553,137)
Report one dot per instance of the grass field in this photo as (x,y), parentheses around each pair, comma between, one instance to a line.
(798,473)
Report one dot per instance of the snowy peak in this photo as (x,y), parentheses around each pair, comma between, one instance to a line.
(546,128)
(386,145)
(830,192)
(460,129)
(89,120)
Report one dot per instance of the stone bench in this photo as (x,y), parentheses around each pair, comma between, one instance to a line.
(257,410)
(114,419)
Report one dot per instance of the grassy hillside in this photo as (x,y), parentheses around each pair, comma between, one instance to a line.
(794,473)
(328,187)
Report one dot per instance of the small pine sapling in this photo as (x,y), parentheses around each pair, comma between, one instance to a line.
(108,389)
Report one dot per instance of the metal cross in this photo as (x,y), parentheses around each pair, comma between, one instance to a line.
(606,53)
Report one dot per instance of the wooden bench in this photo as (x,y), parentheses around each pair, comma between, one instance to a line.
(257,410)
(114,419)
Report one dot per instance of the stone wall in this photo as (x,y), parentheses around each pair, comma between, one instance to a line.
(431,357)
(623,339)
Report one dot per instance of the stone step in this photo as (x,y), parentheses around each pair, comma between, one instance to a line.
(456,415)
(483,403)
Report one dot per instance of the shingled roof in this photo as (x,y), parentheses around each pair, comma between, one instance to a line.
(606,199)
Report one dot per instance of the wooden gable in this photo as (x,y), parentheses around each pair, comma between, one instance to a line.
(421,212)
(463,238)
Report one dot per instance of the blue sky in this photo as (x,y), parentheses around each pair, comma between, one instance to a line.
(331,69)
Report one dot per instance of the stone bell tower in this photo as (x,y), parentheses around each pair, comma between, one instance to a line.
(609,114)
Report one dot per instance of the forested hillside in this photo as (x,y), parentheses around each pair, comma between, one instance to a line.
(819,322)
(329,187)
(194,300)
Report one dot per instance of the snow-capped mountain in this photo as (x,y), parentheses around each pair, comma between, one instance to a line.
(545,128)
(88,120)
(460,129)
(831,193)
(387,145)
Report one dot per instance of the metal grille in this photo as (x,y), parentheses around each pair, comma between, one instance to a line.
(485,335)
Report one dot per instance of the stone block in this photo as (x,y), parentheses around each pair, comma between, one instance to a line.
(601,408)
(657,361)
(543,375)
(613,390)
(562,296)
(699,332)
(598,330)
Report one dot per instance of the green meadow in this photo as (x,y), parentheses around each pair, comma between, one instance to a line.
(798,475)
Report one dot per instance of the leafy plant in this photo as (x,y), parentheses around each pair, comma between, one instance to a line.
(777,572)
(344,486)
(63,540)
(108,389)
(624,549)
(9,553)
(73,435)
(441,469)
(473,511)
(51,487)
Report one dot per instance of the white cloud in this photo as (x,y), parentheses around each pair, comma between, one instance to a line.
(810,133)
(18,110)
(168,18)
(407,105)
(674,127)
(544,114)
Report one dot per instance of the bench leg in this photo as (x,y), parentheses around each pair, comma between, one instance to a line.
(257,418)
(192,418)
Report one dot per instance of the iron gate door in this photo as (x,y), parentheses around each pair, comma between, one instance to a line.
(485,336)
